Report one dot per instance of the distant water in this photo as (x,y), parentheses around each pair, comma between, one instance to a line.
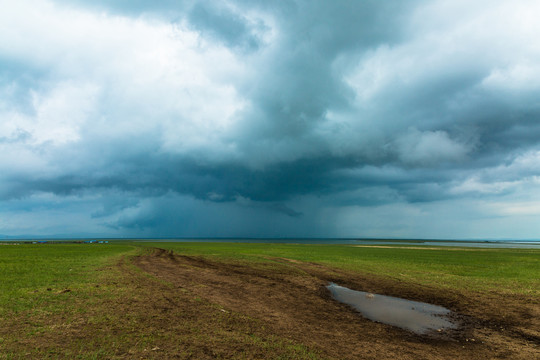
(514,244)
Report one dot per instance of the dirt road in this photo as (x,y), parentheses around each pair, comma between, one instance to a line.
(288,299)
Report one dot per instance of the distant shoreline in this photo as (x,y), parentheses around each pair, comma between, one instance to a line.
(517,244)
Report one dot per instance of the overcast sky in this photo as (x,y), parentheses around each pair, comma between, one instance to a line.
(410,119)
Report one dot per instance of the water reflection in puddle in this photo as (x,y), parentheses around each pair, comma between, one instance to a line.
(416,316)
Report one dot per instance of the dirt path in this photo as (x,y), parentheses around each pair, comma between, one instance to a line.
(288,299)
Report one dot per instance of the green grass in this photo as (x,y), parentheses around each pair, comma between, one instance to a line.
(33,278)
(34,308)
(503,270)
(28,271)
(35,275)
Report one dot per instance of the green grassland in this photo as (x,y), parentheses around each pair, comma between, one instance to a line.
(504,270)
(32,275)
(80,301)
(45,288)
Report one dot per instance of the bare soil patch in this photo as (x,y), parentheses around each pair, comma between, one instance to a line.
(163,305)
(134,315)
(289,299)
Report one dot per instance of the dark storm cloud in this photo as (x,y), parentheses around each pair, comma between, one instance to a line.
(223,25)
(150,174)
(298,84)
(252,107)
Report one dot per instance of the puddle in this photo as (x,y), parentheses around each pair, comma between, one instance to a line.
(416,316)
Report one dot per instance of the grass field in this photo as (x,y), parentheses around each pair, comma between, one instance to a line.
(31,274)
(92,301)
(507,270)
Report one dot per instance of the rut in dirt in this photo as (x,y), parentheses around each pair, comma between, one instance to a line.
(290,300)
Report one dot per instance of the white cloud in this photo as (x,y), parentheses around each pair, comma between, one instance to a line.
(473,185)
(520,77)
(429,148)
(135,75)
(518,176)
(56,116)
(492,44)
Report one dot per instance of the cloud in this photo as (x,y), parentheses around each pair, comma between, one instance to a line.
(277,113)
(224,25)
(429,148)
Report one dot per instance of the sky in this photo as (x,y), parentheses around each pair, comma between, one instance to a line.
(248,118)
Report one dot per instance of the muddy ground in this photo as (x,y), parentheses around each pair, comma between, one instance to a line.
(289,299)
(163,305)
